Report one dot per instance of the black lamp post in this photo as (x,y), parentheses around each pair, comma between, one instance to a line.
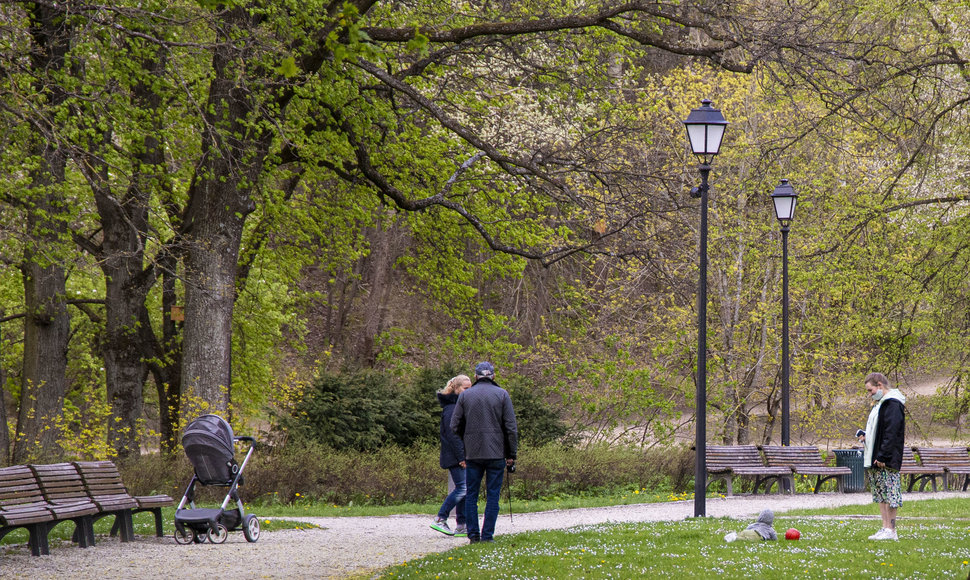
(705,129)
(784,198)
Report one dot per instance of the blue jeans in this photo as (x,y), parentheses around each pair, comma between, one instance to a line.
(493,471)
(455,499)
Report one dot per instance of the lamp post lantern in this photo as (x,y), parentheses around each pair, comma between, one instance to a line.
(705,130)
(784,198)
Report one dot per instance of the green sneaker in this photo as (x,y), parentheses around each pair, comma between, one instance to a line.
(442,526)
(461,531)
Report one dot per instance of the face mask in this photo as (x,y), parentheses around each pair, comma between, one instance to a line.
(877,395)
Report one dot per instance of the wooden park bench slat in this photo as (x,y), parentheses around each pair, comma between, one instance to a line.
(64,489)
(954,460)
(919,471)
(103,481)
(805,460)
(61,488)
(729,461)
(39,497)
(22,506)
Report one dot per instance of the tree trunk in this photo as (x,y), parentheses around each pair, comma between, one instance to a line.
(167,372)
(47,323)
(210,293)
(124,366)
(46,332)
(4,431)
(124,226)
(125,229)
(219,201)
(384,252)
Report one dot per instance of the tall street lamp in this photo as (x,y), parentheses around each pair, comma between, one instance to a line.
(705,129)
(784,198)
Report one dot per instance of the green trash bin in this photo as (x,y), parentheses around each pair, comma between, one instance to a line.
(851,458)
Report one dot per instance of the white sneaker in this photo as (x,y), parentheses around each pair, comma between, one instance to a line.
(884,534)
(730,537)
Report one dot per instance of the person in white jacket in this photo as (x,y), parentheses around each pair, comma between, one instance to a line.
(884,439)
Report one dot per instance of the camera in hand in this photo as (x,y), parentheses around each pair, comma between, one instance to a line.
(510,467)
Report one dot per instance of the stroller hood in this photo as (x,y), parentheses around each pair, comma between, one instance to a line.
(208,443)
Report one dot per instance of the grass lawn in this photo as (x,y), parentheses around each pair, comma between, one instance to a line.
(317,509)
(932,544)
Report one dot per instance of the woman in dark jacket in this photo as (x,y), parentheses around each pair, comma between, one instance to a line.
(452,459)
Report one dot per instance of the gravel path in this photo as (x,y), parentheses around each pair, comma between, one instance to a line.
(359,546)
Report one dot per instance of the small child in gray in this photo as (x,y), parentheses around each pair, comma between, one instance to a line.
(759,531)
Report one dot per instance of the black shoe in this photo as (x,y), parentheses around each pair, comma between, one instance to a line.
(473,539)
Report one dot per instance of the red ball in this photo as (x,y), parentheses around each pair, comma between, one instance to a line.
(792,534)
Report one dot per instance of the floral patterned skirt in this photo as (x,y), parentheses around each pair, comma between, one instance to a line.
(886,486)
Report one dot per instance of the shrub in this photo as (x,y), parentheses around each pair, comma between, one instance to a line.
(313,471)
(561,470)
(156,473)
(362,410)
(393,475)
(369,410)
(538,423)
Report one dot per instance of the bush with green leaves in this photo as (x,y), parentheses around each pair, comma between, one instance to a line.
(367,410)
(362,410)
(538,422)
(309,471)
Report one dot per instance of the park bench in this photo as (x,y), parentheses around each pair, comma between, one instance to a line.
(39,497)
(920,471)
(63,483)
(102,480)
(804,460)
(954,460)
(23,505)
(729,461)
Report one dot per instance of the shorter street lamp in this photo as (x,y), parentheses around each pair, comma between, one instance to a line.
(784,198)
(705,129)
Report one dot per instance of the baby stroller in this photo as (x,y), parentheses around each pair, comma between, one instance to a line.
(209,443)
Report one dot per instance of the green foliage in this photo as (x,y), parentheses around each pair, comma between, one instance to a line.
(950,407)
(366,410)
(583,147)
(538,422)
(362,410)
(266,325)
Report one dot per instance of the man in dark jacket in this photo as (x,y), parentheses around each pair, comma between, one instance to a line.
(485,420)
(884,439)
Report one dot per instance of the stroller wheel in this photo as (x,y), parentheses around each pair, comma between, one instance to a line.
(185,536)
(219,535)
(251,528)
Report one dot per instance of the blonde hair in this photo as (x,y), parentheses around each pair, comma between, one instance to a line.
(454,383)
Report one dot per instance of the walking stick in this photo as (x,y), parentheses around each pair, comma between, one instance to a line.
(508,487)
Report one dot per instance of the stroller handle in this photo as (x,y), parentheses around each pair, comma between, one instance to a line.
(245,438)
